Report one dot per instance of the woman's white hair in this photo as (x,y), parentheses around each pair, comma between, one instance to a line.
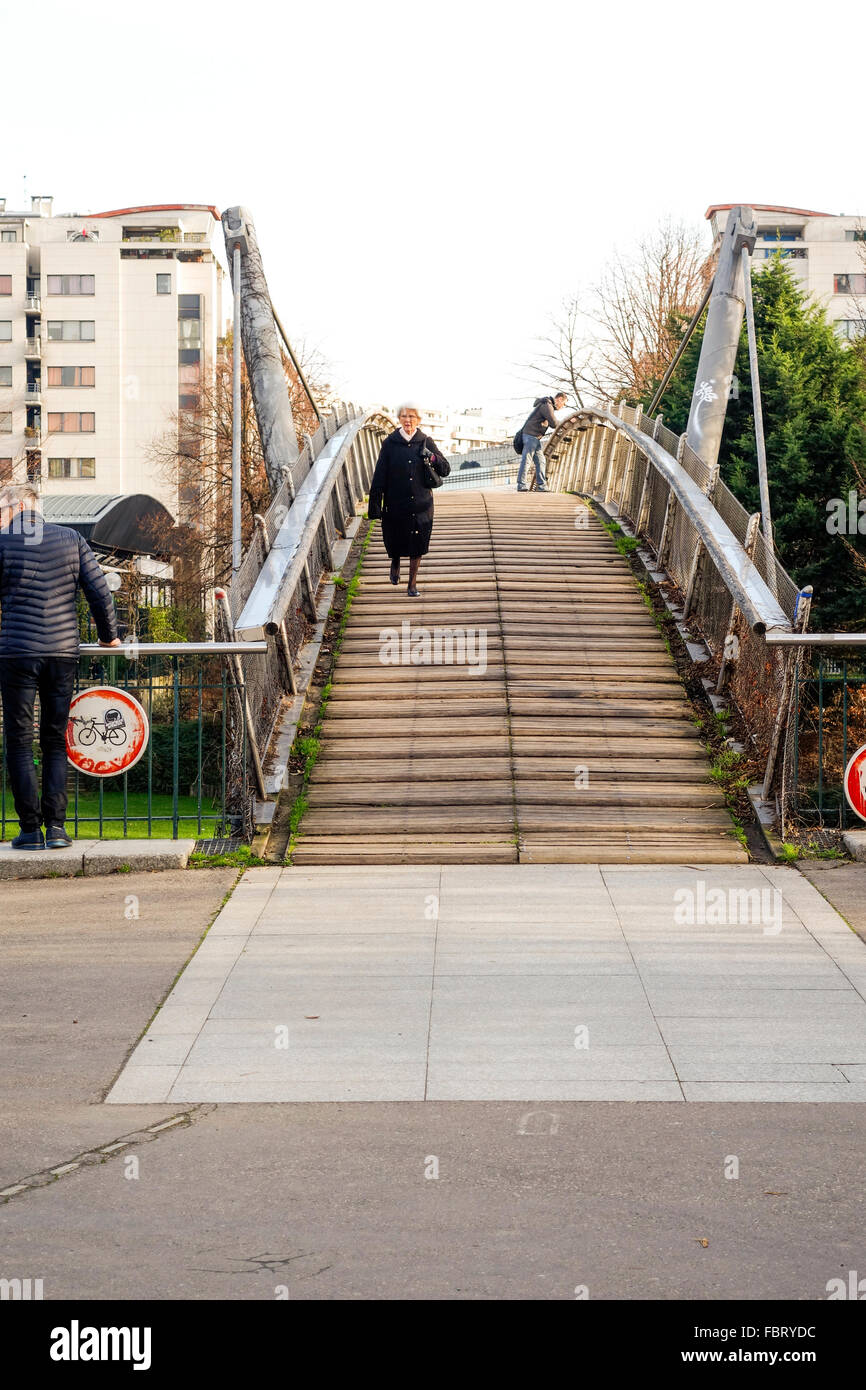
(409,405)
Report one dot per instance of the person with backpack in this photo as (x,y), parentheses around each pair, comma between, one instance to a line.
(530,436)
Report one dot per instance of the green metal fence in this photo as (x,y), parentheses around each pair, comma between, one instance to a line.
(829,707)
(191,781)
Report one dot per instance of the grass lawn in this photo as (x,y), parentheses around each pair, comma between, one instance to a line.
(136,825)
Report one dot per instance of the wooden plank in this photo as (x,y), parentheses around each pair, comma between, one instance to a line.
(444,763)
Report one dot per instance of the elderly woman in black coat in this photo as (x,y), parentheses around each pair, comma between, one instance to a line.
(401,495)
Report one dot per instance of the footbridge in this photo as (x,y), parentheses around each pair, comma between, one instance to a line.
(527,707)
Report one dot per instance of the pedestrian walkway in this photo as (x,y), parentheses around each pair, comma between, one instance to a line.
(524,708)
(514,982)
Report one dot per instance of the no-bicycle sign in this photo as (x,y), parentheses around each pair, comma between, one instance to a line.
(855,783)
(107,731)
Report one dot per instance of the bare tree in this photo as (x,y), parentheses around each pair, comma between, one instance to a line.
(195,455)
(641,305)
(564,357)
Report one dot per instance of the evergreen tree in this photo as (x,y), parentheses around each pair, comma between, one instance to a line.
(813,393)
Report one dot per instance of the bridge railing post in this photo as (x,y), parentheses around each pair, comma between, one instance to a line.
(582,453)
(670,513)
(628,471)
(643,504)
(613,456)
(696,565)
(600,441)
(749,545)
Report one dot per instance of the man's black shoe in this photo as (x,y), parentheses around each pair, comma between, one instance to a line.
(29,839)
(56,837)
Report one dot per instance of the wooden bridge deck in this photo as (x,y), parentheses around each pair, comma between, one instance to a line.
(574,743)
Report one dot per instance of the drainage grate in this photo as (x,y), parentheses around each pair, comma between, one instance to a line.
(218,846)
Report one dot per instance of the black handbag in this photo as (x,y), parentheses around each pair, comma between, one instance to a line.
(428,472)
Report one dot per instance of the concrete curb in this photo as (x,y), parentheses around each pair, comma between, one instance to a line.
(87,858)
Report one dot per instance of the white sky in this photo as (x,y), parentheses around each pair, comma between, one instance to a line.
(430,181)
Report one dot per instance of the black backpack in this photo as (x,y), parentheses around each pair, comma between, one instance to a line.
(518,442)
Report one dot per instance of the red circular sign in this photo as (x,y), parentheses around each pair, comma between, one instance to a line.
(107,731)
(855,782)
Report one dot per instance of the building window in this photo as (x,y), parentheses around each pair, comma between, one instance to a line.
(5,376)
(5,284)
(795,253)
(163,284)
(850,329)
(8,234)
(855,234)
(5,330)
(147,255)
(72,468)
(71,422)
(849,284)
(189,306)
(71,376)
(71,330)
(780,233)
(5,470)
(189,333)
(187,356)
(6,422)
(71,284)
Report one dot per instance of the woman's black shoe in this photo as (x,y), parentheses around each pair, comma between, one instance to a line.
(395,571)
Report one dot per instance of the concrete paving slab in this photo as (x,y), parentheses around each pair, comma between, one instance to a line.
(804,1005)
(762,1091)
(140,1084)
(47,863)
(542,1090)
(645,1062)
(107,856)
(487,989)
(470,1034)
(697,1065)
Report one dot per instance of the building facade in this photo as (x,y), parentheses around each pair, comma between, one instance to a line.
(826,254)
(109,325)
(459,431)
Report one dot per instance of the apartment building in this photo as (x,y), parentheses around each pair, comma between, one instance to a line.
(825,252)
(459,431)
(108,333)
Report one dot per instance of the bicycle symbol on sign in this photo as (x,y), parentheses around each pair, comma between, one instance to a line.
(111,730)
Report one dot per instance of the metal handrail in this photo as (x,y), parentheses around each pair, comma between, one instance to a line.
(816,639)
(173,648)
(284,566)
(741,576)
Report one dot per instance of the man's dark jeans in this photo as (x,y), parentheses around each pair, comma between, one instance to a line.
(21,678)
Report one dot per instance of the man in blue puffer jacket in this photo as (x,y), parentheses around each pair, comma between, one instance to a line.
(42,567)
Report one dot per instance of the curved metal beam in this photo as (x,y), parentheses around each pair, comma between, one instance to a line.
(281,572)
(741,576)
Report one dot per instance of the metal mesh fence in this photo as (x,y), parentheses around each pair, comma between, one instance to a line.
(621,474)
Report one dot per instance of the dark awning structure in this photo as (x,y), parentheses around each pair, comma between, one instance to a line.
(132,525)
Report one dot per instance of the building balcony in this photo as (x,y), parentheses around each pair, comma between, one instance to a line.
(33,392)
(33,348)
(34,304)
(33,435)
